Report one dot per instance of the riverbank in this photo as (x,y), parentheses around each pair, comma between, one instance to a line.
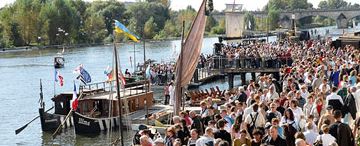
(28,48)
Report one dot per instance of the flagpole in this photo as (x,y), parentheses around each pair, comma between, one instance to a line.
(55,81)
(118,91)
(178,88)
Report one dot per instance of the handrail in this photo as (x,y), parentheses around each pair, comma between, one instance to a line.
(106,86)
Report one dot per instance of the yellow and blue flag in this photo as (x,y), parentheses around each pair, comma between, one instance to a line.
(120,28)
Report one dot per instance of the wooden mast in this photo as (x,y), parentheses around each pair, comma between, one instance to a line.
(118,91)
(178,88)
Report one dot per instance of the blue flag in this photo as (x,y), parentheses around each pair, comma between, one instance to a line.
(85,75)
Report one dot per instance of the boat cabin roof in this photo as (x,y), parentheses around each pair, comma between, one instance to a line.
(62,97)
(100,96)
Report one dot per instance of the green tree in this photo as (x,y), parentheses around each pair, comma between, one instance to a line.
(249,21)
(210,23)
(149,28)
(95,28)
(273,18)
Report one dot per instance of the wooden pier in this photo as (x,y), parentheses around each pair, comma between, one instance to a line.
(231,67)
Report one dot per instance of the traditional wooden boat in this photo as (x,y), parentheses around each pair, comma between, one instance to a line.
(98,108)
(51,121)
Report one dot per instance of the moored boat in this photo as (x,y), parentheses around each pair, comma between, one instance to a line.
(51,121)
(59,61)
(98,108)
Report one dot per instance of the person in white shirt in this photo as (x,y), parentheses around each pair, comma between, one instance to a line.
(326,138)
(308,106)
(295,109)
(310,134)
(172,93)
(272,94)
(257,116)
(304,92)
(289,119)
(357,99)
(208,137)
(334,100)
(324,87)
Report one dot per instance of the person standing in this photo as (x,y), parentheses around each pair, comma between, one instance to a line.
(341,131)
(208,137)
(222,133)
(349,109)
(166,94)
(335,100)
(172,93)
(325,138)
(274,138)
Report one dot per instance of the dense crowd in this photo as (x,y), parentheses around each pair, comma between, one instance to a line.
(315,102)
(161,73)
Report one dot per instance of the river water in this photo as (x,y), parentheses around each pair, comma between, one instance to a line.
(20,72)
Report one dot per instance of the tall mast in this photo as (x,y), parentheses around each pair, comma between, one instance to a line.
(118,91)
(178,88)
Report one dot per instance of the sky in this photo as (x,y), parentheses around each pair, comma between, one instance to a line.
(218,4)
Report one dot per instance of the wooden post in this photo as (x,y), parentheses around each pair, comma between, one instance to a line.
(196,76)
(231,81)
(253,76)
(243,78)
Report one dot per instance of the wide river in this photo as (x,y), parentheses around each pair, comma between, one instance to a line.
(20,72)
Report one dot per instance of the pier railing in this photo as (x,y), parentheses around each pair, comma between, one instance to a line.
(129,89)
(219,62)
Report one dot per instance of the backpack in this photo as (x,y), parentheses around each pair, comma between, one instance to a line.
(290,130)
(252,126)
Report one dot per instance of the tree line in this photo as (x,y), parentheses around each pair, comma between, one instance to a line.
(273,8)
(54,22)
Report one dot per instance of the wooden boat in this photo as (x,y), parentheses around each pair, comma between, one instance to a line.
(51,121)
(98,108)
(59,61)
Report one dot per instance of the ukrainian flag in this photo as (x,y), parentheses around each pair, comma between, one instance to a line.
(120,28)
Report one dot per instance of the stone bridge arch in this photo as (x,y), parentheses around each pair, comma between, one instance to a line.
(341,17)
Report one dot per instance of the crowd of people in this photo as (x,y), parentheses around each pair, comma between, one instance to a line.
(315,102)
(161,73)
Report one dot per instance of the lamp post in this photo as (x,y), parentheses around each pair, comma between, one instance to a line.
(293,24)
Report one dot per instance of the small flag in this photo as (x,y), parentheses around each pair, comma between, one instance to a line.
(56,76)
(75,102)
(122,78)
(147,72)
(109,73)
(84,75)
(120,28)
(59,78)
(61,83)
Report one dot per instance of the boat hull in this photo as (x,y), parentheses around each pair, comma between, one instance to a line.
(50,122)
(93,126)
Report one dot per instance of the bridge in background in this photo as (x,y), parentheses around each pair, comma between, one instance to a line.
(235,17)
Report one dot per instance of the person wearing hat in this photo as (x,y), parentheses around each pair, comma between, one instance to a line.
(328,116)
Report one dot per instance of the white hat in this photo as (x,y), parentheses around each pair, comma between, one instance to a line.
(159,140)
